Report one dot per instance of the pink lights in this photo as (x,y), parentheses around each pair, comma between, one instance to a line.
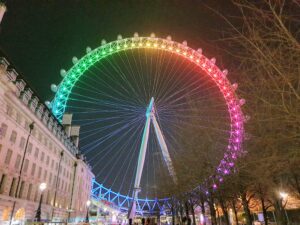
(208,66)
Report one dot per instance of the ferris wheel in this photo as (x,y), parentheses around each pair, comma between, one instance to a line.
(134,98)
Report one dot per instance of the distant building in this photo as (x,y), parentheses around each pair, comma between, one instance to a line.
(49,144)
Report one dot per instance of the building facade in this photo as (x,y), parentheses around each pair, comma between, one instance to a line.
(46,152)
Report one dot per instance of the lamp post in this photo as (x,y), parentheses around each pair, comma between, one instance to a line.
(16,195)
(56,184)
(38,211)
(88,203)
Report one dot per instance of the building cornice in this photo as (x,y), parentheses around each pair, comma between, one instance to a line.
(40,113)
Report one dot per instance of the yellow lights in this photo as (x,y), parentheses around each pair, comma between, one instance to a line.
(184,53)
(125,46)
(140,44)
(147,44)
(283,195)
(178,50)
(163,46)
(191,56)
(171,48)
(155,45)
(132,44)
(197,60)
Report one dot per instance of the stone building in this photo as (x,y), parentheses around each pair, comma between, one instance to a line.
(51,157)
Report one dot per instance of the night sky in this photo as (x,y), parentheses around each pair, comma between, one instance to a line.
(41,37)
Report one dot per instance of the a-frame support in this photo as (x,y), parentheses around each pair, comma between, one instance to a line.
(150,116)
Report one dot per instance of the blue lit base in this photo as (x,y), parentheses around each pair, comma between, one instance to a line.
(123,202)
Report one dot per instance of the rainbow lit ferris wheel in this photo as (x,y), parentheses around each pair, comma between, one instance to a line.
(134,98)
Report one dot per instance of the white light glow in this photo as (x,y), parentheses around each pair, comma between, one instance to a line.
(43,186)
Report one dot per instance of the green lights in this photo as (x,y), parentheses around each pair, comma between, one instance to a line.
(103,52)
(110,49)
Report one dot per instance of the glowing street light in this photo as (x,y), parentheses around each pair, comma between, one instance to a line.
(283,195)
(42,187)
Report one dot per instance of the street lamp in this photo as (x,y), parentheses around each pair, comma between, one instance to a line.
(283,195)
(16,195)
(88,203)
(42,187)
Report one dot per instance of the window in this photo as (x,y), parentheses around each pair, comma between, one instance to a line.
(50,178)
(3,130)
(13,136)
(19,119)
(9,110)
(28,197)
(29,148)
(47,161)
(52,163)
(40,172)
(22,143)
(45,175)
(25,168)
(36,195)
(36,153)
(17,162)
(12,187)
(33,169)
(42,157)
(21,189)
(45,142)
(8,156)
(48,197)
(2,183)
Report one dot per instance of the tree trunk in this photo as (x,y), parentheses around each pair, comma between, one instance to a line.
(187,213)
(173,215)
(224,210)
(203,211)
(193,213)
(181,213)
(279,212)
(246,209)
(212,212)
(235,212)
(264,210)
